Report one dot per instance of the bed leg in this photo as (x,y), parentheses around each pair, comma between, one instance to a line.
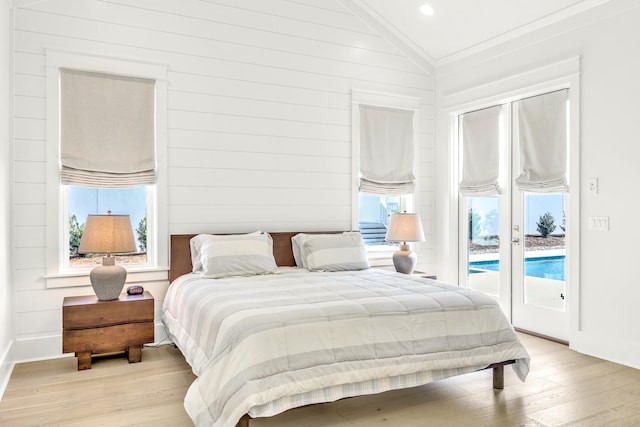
(498,377)
(244,421)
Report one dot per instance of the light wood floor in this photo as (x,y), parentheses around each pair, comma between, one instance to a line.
(563,388)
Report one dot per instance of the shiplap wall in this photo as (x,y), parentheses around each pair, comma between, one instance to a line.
(6,287)
(259,112)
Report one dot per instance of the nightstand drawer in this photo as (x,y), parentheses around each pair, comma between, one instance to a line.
(107,339)
(87,312)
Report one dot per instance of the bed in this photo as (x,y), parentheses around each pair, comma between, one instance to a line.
(261,344)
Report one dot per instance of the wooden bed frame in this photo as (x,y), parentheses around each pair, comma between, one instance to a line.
(181,252)
(180,264)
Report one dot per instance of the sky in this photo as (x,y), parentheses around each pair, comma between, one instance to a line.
(120,201)
(535,206)
(132,201)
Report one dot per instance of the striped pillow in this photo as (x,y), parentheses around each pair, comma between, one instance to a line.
(238,255)
(296,246)
(196,243)
(334,252)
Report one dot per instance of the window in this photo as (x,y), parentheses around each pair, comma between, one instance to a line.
(374,212)
(82,201)
(86,172)
(384,134)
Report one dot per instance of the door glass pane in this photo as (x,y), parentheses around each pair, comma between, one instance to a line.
(544,250)
(483,244)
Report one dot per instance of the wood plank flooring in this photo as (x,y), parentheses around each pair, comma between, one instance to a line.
(564,388)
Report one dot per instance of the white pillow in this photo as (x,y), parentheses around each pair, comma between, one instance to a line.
(196,243)
(297,242)
(238,255)
(334,252)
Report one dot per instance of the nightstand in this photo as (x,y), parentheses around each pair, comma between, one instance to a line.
(425,275)
(91,326)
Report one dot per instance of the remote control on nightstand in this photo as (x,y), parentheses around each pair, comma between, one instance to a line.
(135,290)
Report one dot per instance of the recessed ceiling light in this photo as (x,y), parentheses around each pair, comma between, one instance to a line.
(426,9)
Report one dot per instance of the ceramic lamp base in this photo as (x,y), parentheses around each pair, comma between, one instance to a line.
(405,261)
(107,281)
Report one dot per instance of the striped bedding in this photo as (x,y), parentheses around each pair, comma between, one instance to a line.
(264,344)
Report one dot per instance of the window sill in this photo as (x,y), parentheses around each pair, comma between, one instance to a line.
(73,279)
(381,256)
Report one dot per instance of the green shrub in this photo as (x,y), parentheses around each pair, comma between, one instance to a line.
(75,235)
(474,225)
(546,224)
(142,234)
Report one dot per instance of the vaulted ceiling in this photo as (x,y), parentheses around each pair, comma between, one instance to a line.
(460,27)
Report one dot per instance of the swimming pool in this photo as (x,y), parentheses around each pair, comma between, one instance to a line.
(550,267)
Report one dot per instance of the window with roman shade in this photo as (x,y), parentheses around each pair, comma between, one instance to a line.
(386,151)
(106,130)
(542,142)
(102,111)
(480,152)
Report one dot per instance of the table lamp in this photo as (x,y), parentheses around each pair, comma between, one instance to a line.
(405,227)
(107,234)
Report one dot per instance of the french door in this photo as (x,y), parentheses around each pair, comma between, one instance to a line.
(512,244)
(538,268)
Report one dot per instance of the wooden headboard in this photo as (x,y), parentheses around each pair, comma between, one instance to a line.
(181,252)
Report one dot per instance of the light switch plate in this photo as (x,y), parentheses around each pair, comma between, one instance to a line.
(592,185)
(599,223)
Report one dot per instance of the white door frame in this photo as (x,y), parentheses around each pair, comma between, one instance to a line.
(563,74)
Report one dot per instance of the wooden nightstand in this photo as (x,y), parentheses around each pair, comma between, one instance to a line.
(90,326)
(425,275)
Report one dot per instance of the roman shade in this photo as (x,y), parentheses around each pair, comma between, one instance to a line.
(542,142)
(480,152)
(106,129)
(386,151)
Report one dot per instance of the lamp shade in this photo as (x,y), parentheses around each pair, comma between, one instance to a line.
(405,227)
(107,234)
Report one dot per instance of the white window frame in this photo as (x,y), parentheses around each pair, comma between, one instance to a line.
(379,99)
(59,274)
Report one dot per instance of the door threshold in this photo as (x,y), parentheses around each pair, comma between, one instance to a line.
(546,337)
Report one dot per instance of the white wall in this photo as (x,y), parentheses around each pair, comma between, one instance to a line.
(606,38)
(7,297)
(259,120)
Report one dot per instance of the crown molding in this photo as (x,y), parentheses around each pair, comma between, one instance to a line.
(25,3)
(429,63)
(391,34)
(522,30)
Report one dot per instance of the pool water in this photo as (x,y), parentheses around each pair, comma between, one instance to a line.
(551,267)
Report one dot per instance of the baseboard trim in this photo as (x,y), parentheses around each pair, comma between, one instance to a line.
(7,363)
(613,349)
(35,349)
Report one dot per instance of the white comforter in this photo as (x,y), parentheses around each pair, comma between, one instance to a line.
(265,344)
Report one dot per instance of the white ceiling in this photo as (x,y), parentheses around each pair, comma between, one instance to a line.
(460,27)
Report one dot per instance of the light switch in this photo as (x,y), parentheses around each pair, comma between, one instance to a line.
(599,223)
(592,185)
